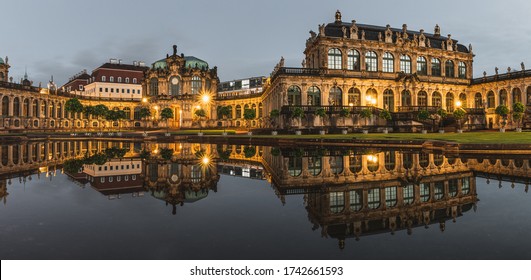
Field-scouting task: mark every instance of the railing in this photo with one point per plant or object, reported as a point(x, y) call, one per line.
point(502, 77)
point(297, 72)
point(307, 109)
point(430, 109)
point(237, 96)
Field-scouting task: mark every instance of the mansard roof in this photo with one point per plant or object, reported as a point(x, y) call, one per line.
point(334, 29)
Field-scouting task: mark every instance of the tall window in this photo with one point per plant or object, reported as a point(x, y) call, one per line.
point(127, 80)
point(408, 194)
point(478, 101)
point(294, 95)
point(119, 79)
point(335, 98)
point(111, 79)
point(196, 85)
point(353, 61)
point(503, 97)
point(371, 62)
point(462, 98)
point(491, 103)
point(436, 99)
point(16, 107)
point(295, 166)
point(462, 70)
point(388, 63)
point(238, 111)
point(517, 95)
point(154, 86)
point(450, 102)
point(449, 69)
point(405, 64)
point(314, 165)
point(336, 164)
point(389, 100)
point(390, 196)
point(334, 59)
point(103, 79)
point(373, 198)
point(5, 106)
point(175, 86)
point(406, 98)
point(422, 66)
point(356, 202)
point(314, 96)
point(422, 99)
point(134, 80)
point(424, 192)
point(354, 97)
point(435, 67)
point(337, 202)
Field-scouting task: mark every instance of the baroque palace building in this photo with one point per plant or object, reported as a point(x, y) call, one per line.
point(347, 67)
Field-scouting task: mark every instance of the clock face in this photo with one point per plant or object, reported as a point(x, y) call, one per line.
point(174, 80)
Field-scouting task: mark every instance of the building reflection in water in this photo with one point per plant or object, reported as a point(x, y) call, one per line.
point(347, 193)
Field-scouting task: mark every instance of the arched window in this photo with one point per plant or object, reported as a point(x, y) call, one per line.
point(334, 59)
point(389, 160)
point(294, 95)
point(5, 106)
point(134, 80)
point(196, 85)
point(390, 197)
point(528, 91)
point(356, 200)
point(389, 100)
point(174, 86)
point(336, 164)
point(314, 165)
point(354, 97)
point(503, 97)
point(517, 95)
point(449, 69)
point(373, 198)
point(154, 87)
point(26, 108)
point(408, 194)
point(127, 80)
point(462, 70)
point(422, 66)
point(371, 62)
point(435, 67)
point(43, 110)
point(103, 79)
point(478, 101)
point(422, 99)
point(355, 163)
point(462, 99)
point(405, 64)
point(353, 61)
point(491, 101)
point(405, 98)
point(111, 79)
point(295, 166)
point(388, 63)
point(335, 98)
point(35, 109)
point(314, 96)
point(230, 112)
point(436, 99)
point(449, 102)
point(337, 202)
point(16, 107)
point(238, 111)
point(119, 79)
point(127, 112)
point(260, 109)
point(371, 97)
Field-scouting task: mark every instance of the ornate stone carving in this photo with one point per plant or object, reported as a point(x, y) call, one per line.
point(344, 30)
point(363, 34)
point(379, 36)
point(404, 31)
point(353, 30)
point(338, 16)
point(450, 43)
point(522, 65)
point(437, 31)
point(388, 34)
point(422, 39)
point(322, 30)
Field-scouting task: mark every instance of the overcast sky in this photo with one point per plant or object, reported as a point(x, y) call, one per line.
point(244, 38)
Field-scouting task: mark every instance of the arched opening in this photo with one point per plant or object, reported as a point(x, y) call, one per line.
point(449, 69)
point(314, 165)
point(405, 63)
point(294, 96)
point(449, 102)
point(503, 97)
point(5, 106)
point(517, 95)
point(314, 96)
point(16, 107)
point(335, 97)
point(422, 99)
point(334, 59)
point(436, 99)
point(354, 97)
point(371, 61)
point(238, 111)
point(406, 98)
point(174, 86)
point(353, 61)
point(422, 66)
point(491, 100)
point(154, 87)
point(371, 97)
point(462, 99)
point(389, 100)
point(388, 63)
point(336, 164)
point(478, 101)
point(435, 67)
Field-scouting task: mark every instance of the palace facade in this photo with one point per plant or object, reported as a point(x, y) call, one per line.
point(348, 68)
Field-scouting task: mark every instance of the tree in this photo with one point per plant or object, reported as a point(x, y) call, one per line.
point(422, 116)
point(200, 113)
point(459, 114)
point(144, 113)
point(166, 153)
point(518, 112)
point(100, 110)
point(248, 115)
point(297, 114)
point(273, 116)
point(442, 115)
point(73, 106)
point(320, 112)
point(366, 114)
point(502, 111)
point(223, 112)
point(386, 115)
point(166, 114)
point(115, 116)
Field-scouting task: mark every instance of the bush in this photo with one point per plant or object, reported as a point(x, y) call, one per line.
point(442, 113)
point(502, 110)
point(366, 113)
point(423, 115)
point(297, 113)
point(518, 107)
point(386, 115)
point(320, 112)
point(345, 113)
point(459, 113)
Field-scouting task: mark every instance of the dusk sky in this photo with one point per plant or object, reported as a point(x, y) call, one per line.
point(242, 38)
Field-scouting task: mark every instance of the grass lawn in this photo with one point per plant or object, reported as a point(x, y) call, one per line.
point(489, 137)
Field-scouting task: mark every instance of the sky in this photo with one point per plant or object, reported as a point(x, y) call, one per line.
point(244, 38)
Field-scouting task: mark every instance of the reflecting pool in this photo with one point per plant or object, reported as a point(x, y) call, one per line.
point(145, 200)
